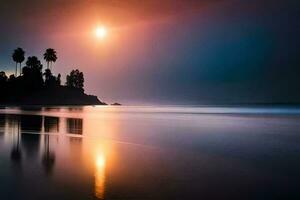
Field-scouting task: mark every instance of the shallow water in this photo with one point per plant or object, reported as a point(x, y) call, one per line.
point(149, 153)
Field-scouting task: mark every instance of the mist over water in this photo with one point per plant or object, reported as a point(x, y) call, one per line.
point(153, 152)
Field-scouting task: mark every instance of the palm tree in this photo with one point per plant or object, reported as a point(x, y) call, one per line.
point(34, 63)
point(47, 74)
point(18, 56)
point(50, 56)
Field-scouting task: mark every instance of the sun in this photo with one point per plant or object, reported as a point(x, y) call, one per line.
point(101, 32)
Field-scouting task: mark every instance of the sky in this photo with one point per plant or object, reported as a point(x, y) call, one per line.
point(164, 52)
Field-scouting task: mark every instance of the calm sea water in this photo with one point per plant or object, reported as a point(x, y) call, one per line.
point(149, 153)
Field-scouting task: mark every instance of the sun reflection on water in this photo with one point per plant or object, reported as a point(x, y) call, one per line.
point(100, 176)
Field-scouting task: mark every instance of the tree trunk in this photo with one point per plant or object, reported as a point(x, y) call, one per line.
point(20, 69)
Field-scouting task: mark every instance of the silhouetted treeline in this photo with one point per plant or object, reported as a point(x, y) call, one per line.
point(35, 86)
point(75, 79)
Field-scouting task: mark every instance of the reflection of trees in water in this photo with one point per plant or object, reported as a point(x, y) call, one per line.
point(75, 109)
point(74, 125)
point(16, 154)
point(26, 130)
point(31, 124)
point(2, 126)
point(56, 109)
point(12, 121)
point(31, 108)
point(2, 123)
point(48, 159)
point(51, 124)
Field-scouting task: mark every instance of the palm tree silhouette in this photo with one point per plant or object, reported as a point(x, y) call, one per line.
point(34, 62)
point(50, 56)
point(18, 56)
point(47, 74)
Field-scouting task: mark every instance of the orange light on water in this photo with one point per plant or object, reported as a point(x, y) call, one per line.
point(100, 176)
point(100, 161)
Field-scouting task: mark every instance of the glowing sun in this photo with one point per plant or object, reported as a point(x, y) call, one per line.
point(101, 32)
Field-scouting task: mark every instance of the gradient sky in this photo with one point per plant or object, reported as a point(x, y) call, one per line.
point(169, 52)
